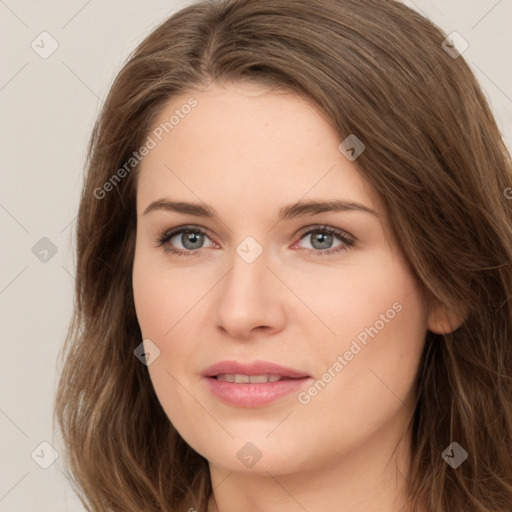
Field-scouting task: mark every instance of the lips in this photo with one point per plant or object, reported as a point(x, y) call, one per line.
point(256, 368)
point(255, 384)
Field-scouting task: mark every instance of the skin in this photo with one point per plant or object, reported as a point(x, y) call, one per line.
point(247, 151)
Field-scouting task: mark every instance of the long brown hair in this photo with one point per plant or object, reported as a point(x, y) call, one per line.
point(434, 154)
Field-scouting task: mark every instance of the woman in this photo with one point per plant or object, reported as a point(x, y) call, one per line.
point(294, 271)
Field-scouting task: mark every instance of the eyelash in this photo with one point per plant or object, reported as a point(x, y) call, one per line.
point(348, 241)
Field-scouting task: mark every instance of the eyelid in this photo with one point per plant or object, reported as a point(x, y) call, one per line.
point(167, 233)
point(325, 227)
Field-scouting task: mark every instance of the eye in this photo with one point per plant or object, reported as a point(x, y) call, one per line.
point(190, 238)
point(321, 239)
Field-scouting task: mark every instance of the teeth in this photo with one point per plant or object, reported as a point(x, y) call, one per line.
point(246, 379)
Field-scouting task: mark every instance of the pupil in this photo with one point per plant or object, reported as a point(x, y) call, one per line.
point(325, 239)
point(192, 238)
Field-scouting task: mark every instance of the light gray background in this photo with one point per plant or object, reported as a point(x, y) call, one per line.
point(48, 107)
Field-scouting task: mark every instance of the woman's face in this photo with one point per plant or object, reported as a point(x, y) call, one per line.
point(321, 290)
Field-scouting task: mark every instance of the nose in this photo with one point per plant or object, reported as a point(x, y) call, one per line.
point(250, 299)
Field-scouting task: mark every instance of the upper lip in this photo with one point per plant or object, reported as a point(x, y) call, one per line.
point(252, 368)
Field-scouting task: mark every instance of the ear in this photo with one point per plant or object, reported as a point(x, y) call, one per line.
point(443, 320)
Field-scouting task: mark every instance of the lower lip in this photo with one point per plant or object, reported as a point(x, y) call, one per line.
point(254, 395)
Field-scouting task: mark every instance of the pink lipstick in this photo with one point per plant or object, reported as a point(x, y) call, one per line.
point(253, 384)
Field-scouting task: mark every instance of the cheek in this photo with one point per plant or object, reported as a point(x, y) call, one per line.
point(379, 293)
point(162, 296)
point(159, 308)
point(167, 304)
point(380, 333)
point(378, 316)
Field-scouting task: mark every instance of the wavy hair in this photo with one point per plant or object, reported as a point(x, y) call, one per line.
point(433, 153)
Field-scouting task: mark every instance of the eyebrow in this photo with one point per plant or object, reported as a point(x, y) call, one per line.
point(299, 209)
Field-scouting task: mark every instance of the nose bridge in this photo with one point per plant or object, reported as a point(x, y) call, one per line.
point(249, 272)
point(248, 297)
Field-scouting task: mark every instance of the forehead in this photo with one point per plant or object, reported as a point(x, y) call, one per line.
point(250, 144)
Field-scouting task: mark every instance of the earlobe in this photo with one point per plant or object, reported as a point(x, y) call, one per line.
point(442, 320)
